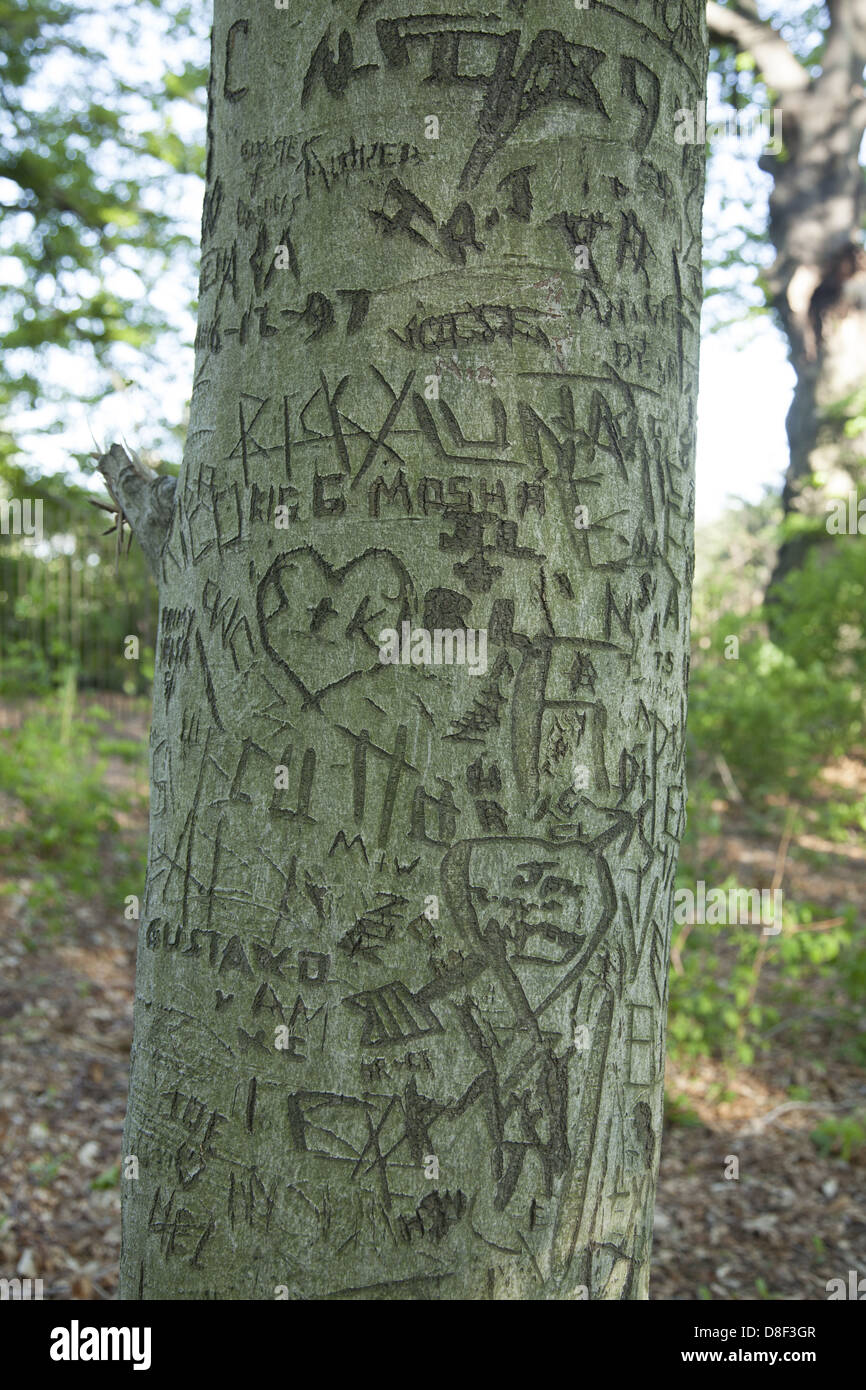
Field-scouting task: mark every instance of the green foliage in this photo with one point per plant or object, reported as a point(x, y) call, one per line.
point(64, 606)
point(45, 1170)
point(842, 1136)
point(678, 1113)
point(712, 1006)
point(732, 988)
point(61, 814)
point(772, 718)
point(780, 708)
point(82, 151)
point(762, 1289)
point(107, 1179)
point(771, 714)
point(821, 621)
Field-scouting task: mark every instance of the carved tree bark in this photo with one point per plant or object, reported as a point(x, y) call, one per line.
point(818, 278)
point(401, 989)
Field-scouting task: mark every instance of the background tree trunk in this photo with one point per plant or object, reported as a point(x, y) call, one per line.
point(401, 988)
point(817, 281)
point(819, 274)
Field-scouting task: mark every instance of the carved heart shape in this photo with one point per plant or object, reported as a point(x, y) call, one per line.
point(321, 622)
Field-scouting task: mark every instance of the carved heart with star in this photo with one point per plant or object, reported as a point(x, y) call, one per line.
point(321, 622)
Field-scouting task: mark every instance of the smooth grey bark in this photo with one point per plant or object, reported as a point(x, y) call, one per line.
point(401, 989)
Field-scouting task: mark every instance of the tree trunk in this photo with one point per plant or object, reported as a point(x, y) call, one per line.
point(825, 453)
point(400, 1002)
point(818, 278)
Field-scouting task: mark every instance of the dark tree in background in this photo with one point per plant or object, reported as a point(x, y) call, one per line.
point(817, 281)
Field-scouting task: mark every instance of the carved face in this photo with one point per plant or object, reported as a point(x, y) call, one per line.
point(321, 622)
point(534, 909)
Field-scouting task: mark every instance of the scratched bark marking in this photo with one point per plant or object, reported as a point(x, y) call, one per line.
point(402, 976)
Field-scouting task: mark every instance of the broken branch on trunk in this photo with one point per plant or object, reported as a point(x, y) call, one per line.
point(144, 500)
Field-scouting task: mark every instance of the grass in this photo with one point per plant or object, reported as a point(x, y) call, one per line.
point(64, 827)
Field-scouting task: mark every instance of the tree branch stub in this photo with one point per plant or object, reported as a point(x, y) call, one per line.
point(146, 499)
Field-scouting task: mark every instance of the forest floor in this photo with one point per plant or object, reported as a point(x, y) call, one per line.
point(793, 1218)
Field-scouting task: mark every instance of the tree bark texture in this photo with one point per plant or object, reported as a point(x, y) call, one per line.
point(400, 1002)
